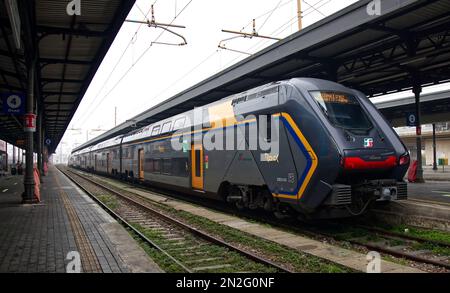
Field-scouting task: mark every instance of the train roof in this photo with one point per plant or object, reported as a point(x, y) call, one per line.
point(107, 143)
point(149, 130)
point(183, 120)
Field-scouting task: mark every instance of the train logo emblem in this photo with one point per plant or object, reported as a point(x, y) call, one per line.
point(368, 142)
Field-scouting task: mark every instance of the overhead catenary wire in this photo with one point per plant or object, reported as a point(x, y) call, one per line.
point(242, 34)
point(164, 26)
point(281, 6)
point(283, 28)
point(276, 32)
point(137, 60)
point(216, 51)
point(279, 30)
point(195, 67)
point(132, 40)
point(313, 7)
point(268, 17)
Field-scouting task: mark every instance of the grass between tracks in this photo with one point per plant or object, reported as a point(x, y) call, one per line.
point(233, 261)
point(217, 255)
point(430, 235)
point(427, 235)
point(295, 260)
point(292, 259)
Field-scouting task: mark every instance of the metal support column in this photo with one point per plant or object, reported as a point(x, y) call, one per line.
point(28, 195)
point(39, 141)
point(42, 149)
point(6, 165)
point(417, 89)
point(14, 156)
point(434, 148)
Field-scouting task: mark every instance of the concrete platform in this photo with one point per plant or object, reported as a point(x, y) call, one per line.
point(441, 174)
point(416, 212)
point(436, 191)
point(38, 238)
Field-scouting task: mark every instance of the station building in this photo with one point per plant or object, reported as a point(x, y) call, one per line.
point(442, 130)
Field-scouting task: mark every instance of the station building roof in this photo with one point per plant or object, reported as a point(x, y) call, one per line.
point(69, 51)
point(409, 40)
point(435, 108)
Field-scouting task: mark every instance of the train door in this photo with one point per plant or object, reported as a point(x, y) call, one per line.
point(95, 162)
point(141, 164)
point(197, 166)
point(108, 163)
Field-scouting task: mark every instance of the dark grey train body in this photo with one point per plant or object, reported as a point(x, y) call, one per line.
point(336, 155)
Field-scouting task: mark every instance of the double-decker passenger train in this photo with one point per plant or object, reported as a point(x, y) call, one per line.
point(335, 153)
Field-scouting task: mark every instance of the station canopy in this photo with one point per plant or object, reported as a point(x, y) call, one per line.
point(69, 49)
point(407, 43)
point(435, 107)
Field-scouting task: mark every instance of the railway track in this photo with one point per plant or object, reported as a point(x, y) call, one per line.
point(386, 242)
point(187, 247)
point(400, 251)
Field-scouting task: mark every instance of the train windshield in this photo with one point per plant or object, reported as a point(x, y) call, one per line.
point(342, 110)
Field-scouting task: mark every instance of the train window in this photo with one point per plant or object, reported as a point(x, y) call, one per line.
point(155, 130)
point(148, 166)
point(166, 127)
point(156, 166)
point(179, 123)
point(180, 167)
point(167, 166)
point(343, 110)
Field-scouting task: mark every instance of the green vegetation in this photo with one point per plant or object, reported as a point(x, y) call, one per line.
point(435, 249)
point(164, 262)
point(295, 260)
point(109, 201)
point(431, 235)
point(233, 260)
point(300, 262)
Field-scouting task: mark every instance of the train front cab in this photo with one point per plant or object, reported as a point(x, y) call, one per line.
point(360, 157)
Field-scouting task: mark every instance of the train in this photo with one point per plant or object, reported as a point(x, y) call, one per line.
point(307, 147)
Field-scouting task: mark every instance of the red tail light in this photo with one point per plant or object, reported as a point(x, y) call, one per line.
point(404, 160)
point(356, 163)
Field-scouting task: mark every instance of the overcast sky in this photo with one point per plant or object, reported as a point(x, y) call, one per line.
point(135, 76)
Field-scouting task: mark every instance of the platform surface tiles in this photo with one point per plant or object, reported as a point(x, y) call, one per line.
point(66, 232)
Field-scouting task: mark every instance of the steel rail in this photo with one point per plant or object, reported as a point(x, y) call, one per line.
point(404, 236)
point(147, 206)
point(313, 234)
point(123, 221)
point(390, 251)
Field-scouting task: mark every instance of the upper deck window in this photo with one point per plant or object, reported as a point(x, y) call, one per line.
point(179, 123)
point(343, 110)
point(166, 127)
point(155, 130)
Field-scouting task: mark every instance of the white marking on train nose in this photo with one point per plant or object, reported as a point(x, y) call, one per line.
point(5, 190)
